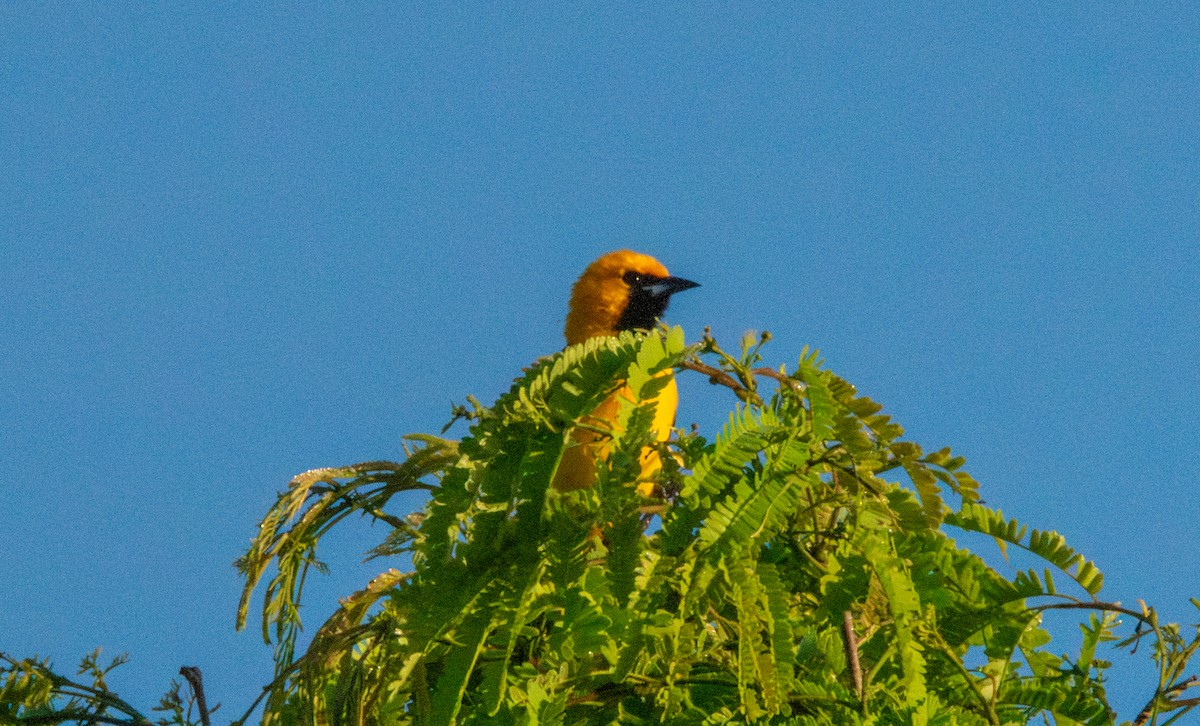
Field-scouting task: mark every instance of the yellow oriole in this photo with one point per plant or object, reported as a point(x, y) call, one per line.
point(621, 290)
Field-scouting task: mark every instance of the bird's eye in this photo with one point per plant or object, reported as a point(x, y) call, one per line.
point(633, 278)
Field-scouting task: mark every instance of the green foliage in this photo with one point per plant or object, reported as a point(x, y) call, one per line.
point(31, 692)
point(800, 568)
point(783, 578)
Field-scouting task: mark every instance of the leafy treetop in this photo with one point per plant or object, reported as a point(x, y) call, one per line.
point(798, 568)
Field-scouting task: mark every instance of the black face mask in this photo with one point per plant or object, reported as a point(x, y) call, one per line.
point(648, 299)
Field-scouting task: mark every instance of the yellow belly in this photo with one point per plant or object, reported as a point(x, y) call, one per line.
point(577, 469)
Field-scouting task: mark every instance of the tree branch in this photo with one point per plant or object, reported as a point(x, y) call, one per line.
point(196, 681)
point(850, 640)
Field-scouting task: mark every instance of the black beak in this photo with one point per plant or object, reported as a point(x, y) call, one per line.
point(664, 287)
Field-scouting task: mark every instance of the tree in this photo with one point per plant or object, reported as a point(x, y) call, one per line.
point(799, 568)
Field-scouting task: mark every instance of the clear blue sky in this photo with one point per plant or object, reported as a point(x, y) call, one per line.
point(238, 242)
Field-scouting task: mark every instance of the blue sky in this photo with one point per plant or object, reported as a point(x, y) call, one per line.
point(240, 242)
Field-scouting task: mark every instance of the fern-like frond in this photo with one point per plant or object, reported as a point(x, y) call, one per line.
point(1050, 546)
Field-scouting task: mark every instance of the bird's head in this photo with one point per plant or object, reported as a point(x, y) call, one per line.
point(621, 290)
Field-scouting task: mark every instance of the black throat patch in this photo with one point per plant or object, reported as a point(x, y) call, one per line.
point(644, 308)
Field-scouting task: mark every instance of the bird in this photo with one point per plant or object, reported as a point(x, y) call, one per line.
point(619, 291)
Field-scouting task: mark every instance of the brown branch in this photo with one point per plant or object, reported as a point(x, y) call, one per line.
point(1152, 707)
point(782, 379)
point(718, 377)
point(196, 681)
point(1111, 607)
point(851, 643)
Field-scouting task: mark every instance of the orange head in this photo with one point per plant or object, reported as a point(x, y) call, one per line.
point(621, 290)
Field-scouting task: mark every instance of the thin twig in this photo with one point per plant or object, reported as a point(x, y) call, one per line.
point(79, 715)
point(196, 681)
point(716, 376)
point(1111, 607)
point(1152, 707)
point(782, 378)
